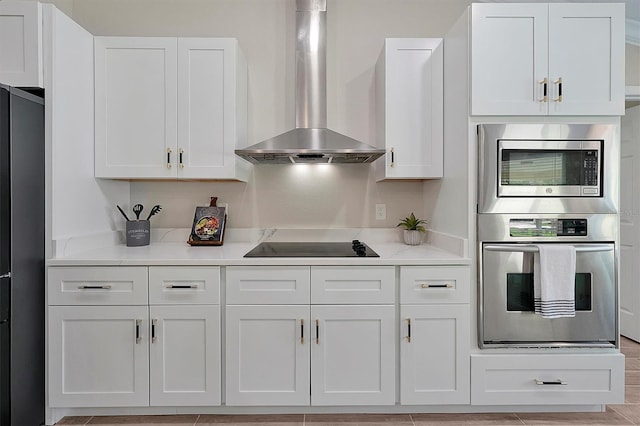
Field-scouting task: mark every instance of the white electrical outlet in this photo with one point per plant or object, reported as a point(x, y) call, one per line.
point(381, 211)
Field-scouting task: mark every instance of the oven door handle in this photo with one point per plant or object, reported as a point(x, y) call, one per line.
point(529, 248)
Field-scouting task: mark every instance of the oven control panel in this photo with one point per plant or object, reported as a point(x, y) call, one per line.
point(548, 227)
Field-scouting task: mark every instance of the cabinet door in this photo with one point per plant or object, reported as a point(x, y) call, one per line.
point(184, 355)
point(135, 135)
point(508, 59)
point(98, 356)
point(267, 355)
point(412, 95)
point(21, 62)
point(206, 107)
point(353, 355)
point(586, 59)
point(434, 354)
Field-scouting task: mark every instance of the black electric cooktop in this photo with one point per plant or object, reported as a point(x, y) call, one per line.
point(312, 249)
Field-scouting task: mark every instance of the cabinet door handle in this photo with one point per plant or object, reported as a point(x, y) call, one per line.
point(180, 152)
point(550, 382)
point(302, 332)
point(94, 287)
point(545, 96)
point(559, 83)
point(317, 332)
point(154, 323)
point(445, 285)
point(180, 286)
point(408, 330)
point(169, 151)
point(138, 336)
point(393, 158)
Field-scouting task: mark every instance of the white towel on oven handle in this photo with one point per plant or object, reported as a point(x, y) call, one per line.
point(554, 274)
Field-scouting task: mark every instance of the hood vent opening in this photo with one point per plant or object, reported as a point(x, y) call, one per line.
point(310, 142)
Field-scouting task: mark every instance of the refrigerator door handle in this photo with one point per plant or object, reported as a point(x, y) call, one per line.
point(7, 275)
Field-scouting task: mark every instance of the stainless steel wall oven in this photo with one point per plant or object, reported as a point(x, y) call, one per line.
point(507, 245)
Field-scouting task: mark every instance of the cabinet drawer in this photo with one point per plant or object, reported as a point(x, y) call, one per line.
point(98, 286)
point(265, 285)
point(170, 285)
point(348, 284)
point(547, 379)
point(435, 284)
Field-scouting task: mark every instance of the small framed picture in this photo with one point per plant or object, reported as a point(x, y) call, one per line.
point(208, 225)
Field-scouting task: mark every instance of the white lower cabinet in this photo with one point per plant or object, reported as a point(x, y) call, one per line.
point(435, 326)
point(547, 379)
point(134, 336)
point(267, 355)
point(301, 353)
point(434, 354)
point(184, 355)
point(98, 356)
point(353, 355)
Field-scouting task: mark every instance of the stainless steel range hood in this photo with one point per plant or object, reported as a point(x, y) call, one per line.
point(310, 141)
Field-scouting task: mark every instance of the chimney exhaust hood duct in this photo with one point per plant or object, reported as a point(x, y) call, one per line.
point(310, 141)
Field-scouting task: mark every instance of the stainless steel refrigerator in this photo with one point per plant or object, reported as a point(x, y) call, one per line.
point(22, 239)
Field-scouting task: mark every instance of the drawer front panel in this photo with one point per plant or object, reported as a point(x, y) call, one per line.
point(434, 284)
point(547, 379)
point(171, 285)
point(98, 285)
point(265, 285)
point(349, 284)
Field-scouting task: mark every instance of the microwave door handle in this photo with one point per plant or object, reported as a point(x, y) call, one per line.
point(527, 248)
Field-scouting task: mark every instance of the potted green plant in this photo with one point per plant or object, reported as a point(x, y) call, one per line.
point(413, 229)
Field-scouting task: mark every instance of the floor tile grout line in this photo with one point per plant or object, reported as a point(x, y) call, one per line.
point(623, 416)
point(197, 420)
point(518, 417)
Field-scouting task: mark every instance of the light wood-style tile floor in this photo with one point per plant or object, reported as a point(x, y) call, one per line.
point(624, 414)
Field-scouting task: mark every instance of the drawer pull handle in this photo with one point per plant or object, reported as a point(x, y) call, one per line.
point(94, 287)
point(550, 382)
point(176, 286)
point(154, 323)
point(408, 330)
point(317, 332)
point(302, 332)
point(138, 336)
point(446, 285)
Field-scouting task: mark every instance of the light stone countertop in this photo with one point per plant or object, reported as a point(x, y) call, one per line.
point(169, 247)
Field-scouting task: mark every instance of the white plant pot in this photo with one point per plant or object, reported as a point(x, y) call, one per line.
point(412, 237)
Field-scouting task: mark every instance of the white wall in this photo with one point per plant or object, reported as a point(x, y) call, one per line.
point(292, 196)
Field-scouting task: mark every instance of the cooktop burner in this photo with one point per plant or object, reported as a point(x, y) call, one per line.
point(312, 249)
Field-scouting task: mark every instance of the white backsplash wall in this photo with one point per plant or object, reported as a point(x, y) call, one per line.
point(300, 196)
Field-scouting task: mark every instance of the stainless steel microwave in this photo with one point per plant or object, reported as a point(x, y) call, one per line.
point(547, 168)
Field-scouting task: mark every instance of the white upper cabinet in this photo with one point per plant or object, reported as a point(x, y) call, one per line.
point(547, 59)
point(136, 107)
point(409, 109)
point(169, 108)
point(212, 108)
point(21, 61)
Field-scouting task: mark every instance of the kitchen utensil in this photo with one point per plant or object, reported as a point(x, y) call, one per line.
point(137, 209)
point(155, 209)
point(123, 213)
